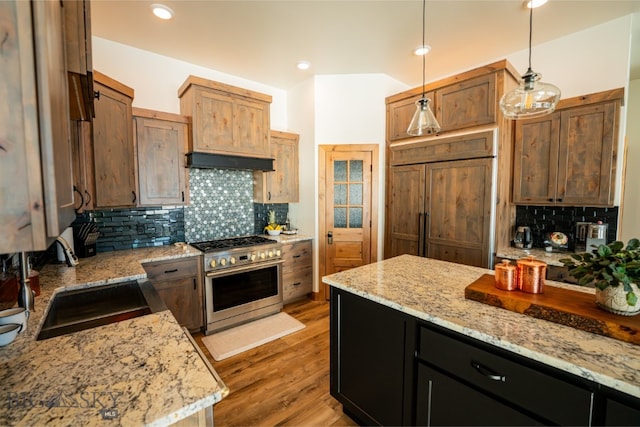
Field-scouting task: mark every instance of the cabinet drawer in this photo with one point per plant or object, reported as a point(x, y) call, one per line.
point(544, 393)
point(297, 255)
point(168, 270)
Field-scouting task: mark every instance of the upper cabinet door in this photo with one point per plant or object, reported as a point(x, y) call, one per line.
point(587, 157)
point(282, 184)
point(114, 155)
point(212, 114)
point(161, 141)
point(251, 133)
point(400, 113)
point(466, 104)
point(535, 160)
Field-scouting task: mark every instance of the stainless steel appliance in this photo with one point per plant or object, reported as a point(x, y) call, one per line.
point(596, 235)
point(523, 238)
point(243, 280)
point(580, 241)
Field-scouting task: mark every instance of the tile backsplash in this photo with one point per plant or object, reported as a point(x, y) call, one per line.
point(545, 219)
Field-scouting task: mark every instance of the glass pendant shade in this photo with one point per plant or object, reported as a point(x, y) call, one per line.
point(423, 121)
point(531, 98)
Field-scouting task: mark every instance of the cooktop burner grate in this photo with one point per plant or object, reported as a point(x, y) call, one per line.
point(233, 242)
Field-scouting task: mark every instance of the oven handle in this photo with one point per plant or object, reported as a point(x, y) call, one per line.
point(244, 268)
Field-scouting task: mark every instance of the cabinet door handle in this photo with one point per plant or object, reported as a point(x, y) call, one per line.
point(551, 200)
point(489, 373)
point(269, 195)
point(88, 198)
point(297, 256)
point(75, 189)
point(133, 193)
point(183, 196)
point(170, 271)
point(559, 200)
point(194, 283)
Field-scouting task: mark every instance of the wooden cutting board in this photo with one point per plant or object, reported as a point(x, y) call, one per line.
point(564, 306)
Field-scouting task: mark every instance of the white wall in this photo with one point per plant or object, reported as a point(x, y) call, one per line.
point(630, 226)
point(155, 79)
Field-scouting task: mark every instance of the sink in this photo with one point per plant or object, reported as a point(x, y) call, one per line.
point(77, 310)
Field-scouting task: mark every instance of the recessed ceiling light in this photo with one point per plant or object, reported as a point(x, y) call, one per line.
point(534, 3)
point(422, 50)
point(162, 11)
point(303, 65)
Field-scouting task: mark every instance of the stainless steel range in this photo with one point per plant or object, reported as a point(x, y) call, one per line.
point(243, 280)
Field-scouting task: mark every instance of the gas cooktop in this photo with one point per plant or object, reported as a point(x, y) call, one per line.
point(232, 242)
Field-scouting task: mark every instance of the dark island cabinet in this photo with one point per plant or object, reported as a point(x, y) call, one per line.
point(390, 368)
point(371, 360)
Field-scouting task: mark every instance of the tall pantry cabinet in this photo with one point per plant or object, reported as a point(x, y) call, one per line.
point(448, 195)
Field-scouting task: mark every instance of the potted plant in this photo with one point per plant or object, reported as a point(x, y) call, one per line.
point(615, 271)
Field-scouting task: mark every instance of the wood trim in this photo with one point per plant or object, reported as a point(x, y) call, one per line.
point(113, 84)
point(210, 84)
point(592, 98)
point(476, 72)
point(322, 226)
point(160, 115)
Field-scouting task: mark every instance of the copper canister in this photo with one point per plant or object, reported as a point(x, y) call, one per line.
point(506, 276)
point(530, 275)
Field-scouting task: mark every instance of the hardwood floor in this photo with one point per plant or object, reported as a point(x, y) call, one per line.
point(284, 382)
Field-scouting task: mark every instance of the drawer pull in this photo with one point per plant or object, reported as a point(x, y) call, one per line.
point(297, 256)
point(296, 284)
point(483, 370)
point(170, 271)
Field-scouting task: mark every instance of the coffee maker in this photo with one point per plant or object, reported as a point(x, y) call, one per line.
point(523, 238)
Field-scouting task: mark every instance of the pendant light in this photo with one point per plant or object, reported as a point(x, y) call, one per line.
point(531, 98)
point(423, 121)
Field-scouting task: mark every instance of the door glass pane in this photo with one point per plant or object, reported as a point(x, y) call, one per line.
point(355, 217)
point(340, 217)
point(355, 170)
point(340, 170)
point(355, 194)
point(340, 194)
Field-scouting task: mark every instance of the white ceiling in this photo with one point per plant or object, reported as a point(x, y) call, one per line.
point(263, 40)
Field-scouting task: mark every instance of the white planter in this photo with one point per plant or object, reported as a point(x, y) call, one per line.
point(614, 300)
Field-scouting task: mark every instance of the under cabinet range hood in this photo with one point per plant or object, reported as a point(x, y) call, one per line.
point(223, 161)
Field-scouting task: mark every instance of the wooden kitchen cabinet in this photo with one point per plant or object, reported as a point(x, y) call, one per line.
point(161, 140)
point(77, 16)
point(179, 284)
point(569, 157)
point(82, 155)
point(281, 185)
point(466, 101)
point(400, 113)
point(36, 190)
point(436, 206)
point(226, 119)
point(297, 270)
point(442, 209)
point(114, 165)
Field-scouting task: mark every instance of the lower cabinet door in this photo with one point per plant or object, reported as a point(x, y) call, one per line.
point(443, 401)
point(181, 298)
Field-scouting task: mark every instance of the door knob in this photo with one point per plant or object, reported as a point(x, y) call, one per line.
point(330, 237)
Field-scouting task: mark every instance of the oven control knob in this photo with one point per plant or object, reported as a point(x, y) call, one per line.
point(270, 254)
point(253, 257)
point(262, 255)
point(232, 260)
point(223, 262)
point(278, 253)
point(213, 263)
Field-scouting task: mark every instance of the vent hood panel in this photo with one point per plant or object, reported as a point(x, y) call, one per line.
point(223, 161)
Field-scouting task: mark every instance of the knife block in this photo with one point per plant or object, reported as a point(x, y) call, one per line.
point(84, 250)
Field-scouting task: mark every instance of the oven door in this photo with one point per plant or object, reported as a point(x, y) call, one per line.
point(241, 294)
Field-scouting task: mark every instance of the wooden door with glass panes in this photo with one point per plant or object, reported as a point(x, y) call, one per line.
point(347, 210)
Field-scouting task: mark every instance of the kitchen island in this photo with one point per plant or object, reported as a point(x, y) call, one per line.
point(424, 299)
point(141, 371)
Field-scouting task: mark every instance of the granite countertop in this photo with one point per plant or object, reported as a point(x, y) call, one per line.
point(142, 371)
point(290, 238)
point(433, 291)
point(551, 258)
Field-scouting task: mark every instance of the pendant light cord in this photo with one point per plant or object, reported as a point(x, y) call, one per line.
point(424, 2)
point(530, 31)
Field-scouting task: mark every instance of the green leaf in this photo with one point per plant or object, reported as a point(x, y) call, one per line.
point(616, 246)
point(633, 244)
point(602, 284)
point(604, 251)
point(585, 280)
point(632, 299)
